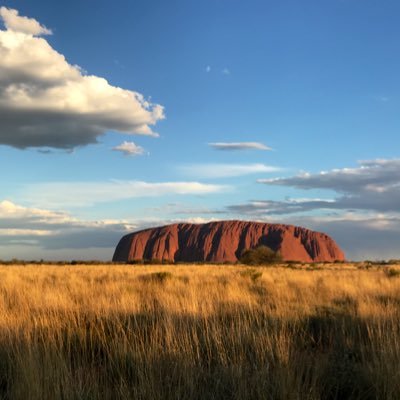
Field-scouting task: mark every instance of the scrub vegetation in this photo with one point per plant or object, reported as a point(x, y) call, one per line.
point(199, 332)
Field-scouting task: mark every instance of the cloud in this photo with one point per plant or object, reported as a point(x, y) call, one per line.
point(76, 194)
point(47, 102)
point(261, 208)
point(361, 236)
point(183, 209)
point(208, 68)
point(129, 149)
point(226, 170)
point(34, 233)
point(231, 146)
point(364, 217)
point(226, 71)
point(374, 185)
point(13, 21)
point(373, 237)
point(24, 228)
point(374, 175)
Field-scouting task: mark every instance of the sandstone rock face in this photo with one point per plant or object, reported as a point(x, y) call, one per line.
point(225, 241)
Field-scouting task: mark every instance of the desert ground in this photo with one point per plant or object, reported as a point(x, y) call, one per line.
point(291, 331)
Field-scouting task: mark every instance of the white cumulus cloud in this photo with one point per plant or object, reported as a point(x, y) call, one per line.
point(47, 102)
point(13, 21)
point(129, 149)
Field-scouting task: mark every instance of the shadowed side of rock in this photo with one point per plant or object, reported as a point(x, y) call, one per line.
point(225, 241)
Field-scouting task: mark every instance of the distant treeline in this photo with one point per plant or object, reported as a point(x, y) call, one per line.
point(17, 261)
point(273, 260)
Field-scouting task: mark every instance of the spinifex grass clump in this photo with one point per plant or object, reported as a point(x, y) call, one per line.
point(159, 277)
point(205, 332)
point(251, 273)
point(392, 272)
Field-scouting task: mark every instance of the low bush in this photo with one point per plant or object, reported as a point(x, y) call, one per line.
point(261, 255)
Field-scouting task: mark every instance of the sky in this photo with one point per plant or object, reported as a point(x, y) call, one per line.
point(118, 116)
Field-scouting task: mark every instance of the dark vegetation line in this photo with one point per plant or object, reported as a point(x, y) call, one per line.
point(366, 263)
point(259, 256)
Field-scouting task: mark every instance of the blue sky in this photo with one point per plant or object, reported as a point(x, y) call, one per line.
point(118, 116)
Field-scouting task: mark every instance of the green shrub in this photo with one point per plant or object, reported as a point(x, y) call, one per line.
point(261, 255)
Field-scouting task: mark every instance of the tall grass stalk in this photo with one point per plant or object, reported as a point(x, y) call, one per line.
point(198, 332)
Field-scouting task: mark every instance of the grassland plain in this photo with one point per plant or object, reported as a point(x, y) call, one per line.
point(199, 332)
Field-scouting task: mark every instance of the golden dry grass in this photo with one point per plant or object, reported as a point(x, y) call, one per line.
point(199, 332)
